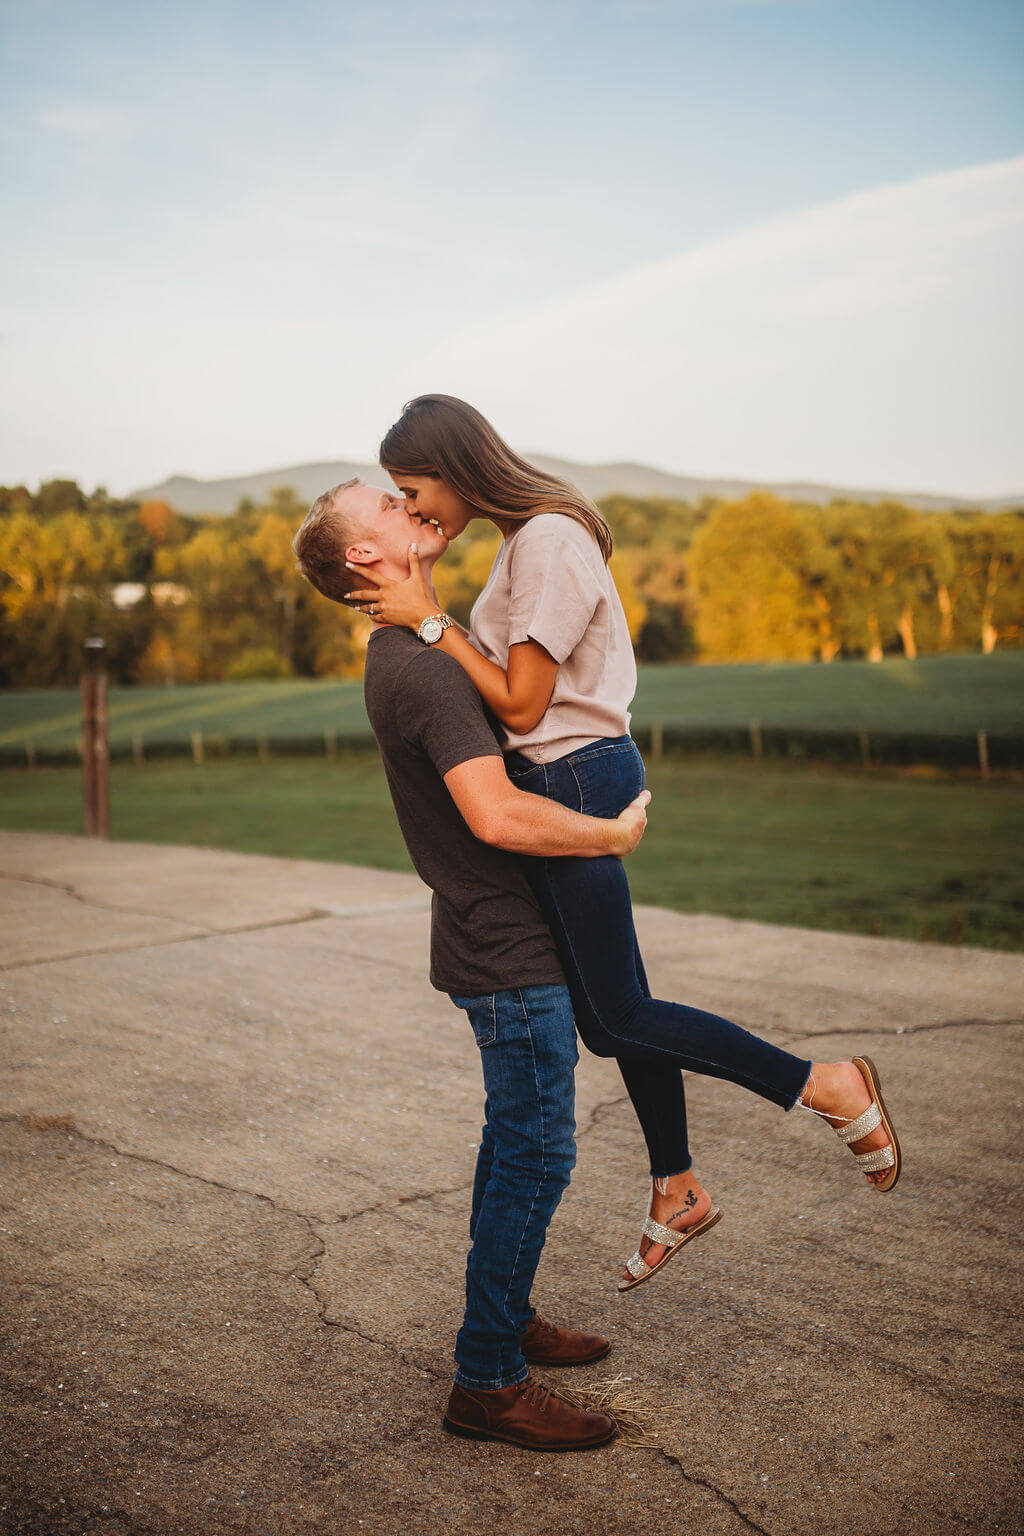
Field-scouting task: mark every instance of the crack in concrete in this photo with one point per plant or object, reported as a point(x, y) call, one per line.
point(156, 1162)
point(92, 901)
point(306, 1280)
point(200, 933)
point(712, 1488)
point(326, 1321)
point(392, 1202)
point(912, 1029)
point(418, 903)
point(315, 914)
point(598, 1112)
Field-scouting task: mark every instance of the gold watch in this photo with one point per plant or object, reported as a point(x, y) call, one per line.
point(431, 630)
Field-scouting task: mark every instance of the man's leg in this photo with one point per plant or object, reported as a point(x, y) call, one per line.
point(527, 1043)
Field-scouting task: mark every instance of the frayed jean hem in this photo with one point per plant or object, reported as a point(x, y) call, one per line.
point(800, 1094)
point(670, 1173)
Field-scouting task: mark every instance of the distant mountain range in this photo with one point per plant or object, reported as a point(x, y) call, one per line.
point(595, 480)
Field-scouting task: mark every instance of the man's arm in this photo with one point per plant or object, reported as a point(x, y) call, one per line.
point(498, 813)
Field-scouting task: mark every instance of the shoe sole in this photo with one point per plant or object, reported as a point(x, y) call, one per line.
point(526, 1445)
point(869, 1072)
point(582, 1360)
point(697, 1230)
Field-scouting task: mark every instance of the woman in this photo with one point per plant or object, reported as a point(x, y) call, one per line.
point(549, 652)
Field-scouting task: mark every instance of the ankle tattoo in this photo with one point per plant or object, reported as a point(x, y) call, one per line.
point(688, 1204)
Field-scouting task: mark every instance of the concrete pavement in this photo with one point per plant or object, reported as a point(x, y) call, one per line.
point(238, 1135)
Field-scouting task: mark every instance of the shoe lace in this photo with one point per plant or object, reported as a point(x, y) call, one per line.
point(536, 1395)
point(541, 1325)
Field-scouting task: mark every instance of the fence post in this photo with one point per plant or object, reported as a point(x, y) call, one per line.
point(983, 753)
point(197, 747)
point(262, 750)
point(755, 740)
point(865, 749)
point(138, 755)
point(94, 747)
point(330, 744)
point(657, 741)
point(30, 753)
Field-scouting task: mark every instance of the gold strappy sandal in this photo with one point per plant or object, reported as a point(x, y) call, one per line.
point(672, 1242)
point(875, 1115)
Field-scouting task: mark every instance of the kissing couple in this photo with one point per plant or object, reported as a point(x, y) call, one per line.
point(519, 791)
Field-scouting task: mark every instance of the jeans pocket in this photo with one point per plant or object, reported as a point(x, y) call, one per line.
point(524, 774)
point(609, 778)
point(482, 1016)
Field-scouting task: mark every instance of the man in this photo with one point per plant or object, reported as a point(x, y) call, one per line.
point(492, 953)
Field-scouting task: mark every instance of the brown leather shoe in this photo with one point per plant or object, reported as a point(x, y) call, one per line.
point(528, 1415)
point(545, 1343)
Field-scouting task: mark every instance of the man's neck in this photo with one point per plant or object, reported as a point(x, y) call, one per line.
point(427, 568)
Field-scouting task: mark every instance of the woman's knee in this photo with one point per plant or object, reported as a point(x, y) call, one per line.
point(599, 1041)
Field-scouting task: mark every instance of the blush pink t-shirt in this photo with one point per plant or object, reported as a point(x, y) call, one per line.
point(549, 583)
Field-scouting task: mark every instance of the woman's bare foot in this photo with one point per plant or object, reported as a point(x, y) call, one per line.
point(838, 1090)
point(676, 1202)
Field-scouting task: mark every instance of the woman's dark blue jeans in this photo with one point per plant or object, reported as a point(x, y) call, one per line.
point(588, 907)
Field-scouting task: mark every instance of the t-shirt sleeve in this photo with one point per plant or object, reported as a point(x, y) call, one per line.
point(439, 711)
point(554, 584)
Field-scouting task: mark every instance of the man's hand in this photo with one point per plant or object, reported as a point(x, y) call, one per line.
point(632, 823)
point(498, 813)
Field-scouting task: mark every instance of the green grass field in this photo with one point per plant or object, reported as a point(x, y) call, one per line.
point(937, 696)
point(883, 853)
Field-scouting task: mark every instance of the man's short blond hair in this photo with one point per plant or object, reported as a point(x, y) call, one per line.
point(320, 545)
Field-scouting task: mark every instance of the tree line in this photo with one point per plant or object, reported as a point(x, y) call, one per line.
point(200, 599)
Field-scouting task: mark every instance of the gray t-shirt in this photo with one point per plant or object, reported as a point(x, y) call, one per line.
point(487, 933)
point(549, 583)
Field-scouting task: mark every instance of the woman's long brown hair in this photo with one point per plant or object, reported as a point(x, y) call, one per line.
point(440, 436)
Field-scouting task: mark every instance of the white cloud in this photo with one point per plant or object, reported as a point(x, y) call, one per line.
point(873, 340)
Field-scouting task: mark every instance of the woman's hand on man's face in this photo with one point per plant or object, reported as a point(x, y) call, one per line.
point(405, 603)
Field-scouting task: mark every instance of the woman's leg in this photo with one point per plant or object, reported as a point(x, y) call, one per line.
point(588, 907)
point(655, 1089)
point(653, 1079)
point(658, 1098)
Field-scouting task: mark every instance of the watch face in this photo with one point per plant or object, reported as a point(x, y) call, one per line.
point(431, 631)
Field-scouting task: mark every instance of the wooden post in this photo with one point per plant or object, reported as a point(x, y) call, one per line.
point(88, 694)
point(657, 741)
point(865, 748)
point(30, 753)
point(94, 747)
point(262, 750)
point(755, 740)
point(138, 755)
point(330, 744)
point(197, 747)
point(983, 753)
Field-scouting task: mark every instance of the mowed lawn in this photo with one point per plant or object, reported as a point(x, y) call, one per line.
point(935, 696)
point(883, 853)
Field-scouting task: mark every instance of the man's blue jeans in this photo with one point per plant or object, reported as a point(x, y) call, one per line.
point(527, 1040)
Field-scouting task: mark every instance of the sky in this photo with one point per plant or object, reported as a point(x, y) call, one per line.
point(773, 239)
